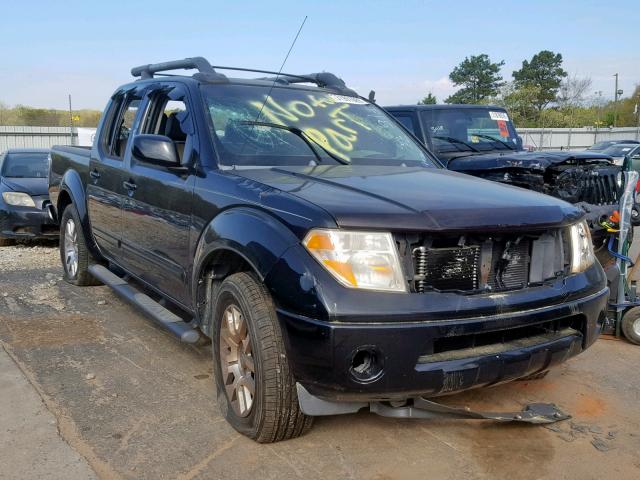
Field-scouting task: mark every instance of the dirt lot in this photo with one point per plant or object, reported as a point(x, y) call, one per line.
point(138, 404)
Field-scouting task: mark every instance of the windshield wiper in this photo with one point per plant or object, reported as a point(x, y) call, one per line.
point(482, 135)
point(456, 140)
point(305, 138)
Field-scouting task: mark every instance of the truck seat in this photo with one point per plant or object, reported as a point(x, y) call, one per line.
point(174, 131)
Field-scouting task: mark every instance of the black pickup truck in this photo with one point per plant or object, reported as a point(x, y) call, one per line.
point(481, 140)
point(330, 258)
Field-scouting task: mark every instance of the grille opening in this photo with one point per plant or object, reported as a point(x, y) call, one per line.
point(471, 264)
point(594, 184)
point(448, 344)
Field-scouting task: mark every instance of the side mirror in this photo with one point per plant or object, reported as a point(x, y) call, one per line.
point(519, 142)
point(156, 150)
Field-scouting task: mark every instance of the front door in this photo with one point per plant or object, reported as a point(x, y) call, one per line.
point(157, 212)
point(105, 191)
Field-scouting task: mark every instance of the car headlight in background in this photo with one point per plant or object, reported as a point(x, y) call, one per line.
point(18, 199)
point(367, 260)
point(582, 256)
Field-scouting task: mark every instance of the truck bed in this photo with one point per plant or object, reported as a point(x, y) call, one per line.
point(63, 159)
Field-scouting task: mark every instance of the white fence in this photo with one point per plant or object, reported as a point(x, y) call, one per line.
point(44, 137)
point(574, 138)
point(538, 138)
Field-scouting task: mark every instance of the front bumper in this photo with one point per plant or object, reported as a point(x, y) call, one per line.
point(28, 223)
point(430, 358)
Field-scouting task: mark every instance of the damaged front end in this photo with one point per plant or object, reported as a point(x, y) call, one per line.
point(589, 181)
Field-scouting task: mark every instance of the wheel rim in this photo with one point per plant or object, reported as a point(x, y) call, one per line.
point(71, 248)
point(636, 327)
point(236, 360)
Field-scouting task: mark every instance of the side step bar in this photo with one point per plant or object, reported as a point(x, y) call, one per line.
point(165, 318)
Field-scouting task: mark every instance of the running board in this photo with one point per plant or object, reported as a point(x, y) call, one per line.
point(165, 318)
point(537, 413)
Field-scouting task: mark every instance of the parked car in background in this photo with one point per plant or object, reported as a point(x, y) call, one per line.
point(620, 151)
point(332, 261)
point(601, 146)
point(24, 197)
point(481, 140)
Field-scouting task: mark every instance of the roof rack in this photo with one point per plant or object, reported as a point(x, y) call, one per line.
point(207, 72)
point(322, 79)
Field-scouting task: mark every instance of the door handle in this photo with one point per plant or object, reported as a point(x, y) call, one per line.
point(129, 186)
point(94, 174)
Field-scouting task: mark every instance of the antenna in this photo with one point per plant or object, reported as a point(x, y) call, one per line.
point(275, 80)
point(281, 67)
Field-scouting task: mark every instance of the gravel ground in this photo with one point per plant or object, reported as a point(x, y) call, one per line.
point(137, 404)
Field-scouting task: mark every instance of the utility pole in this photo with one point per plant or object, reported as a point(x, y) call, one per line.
point(616, 95)
point(70, 121)
point(637, 112)
point(598, 113)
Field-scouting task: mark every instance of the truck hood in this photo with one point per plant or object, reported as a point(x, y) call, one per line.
point(534, 161)
point(32, 186)
point(431, 199)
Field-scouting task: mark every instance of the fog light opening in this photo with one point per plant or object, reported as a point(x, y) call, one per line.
point(366, 364)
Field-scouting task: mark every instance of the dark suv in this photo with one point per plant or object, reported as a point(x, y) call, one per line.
point(326, 253)
point(481, 140)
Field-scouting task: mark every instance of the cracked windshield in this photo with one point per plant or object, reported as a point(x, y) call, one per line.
point(305, 127)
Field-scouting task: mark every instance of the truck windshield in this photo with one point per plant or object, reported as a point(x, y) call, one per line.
point(469, 129)
point(25, 165)
point(346, 129)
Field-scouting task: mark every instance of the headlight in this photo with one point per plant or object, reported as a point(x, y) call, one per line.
point(582, 256)
point(18, 199)
point(367, 260)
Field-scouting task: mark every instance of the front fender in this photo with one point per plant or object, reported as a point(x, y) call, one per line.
point(255, 235)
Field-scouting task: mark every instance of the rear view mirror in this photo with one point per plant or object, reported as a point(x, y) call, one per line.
point(156, 150)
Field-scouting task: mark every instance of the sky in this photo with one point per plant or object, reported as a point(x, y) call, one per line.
point(400, 49)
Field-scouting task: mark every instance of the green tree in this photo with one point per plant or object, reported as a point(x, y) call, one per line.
point(479, 77)
point(430, 99)
point(543, 72)
point(519, 104)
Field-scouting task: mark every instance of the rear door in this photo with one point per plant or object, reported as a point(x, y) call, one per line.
point(105, 191)
point(157, 212)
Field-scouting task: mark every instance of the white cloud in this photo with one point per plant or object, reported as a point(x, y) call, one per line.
point(392, 91)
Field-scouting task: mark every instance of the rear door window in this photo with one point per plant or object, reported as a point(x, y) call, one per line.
point(125, 109)
point(406, 121)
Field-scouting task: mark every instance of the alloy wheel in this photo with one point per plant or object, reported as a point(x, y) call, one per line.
point(237, 361)
point(71, 248)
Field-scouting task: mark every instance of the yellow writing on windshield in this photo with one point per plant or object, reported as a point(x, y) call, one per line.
point(338, 136)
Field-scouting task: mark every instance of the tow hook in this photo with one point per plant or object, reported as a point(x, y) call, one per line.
point(537, 413)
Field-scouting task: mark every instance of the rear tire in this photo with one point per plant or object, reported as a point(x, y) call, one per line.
point(74, 254)
point(256, 390)
point(631, 325)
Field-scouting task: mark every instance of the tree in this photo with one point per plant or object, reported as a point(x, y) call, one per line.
point(573, 91)
point(479, 77)
point(518, 102)
point(430, 99)
point(545, 72)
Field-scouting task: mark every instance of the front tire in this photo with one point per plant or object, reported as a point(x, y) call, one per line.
point(256, 390)
point(73, 250)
